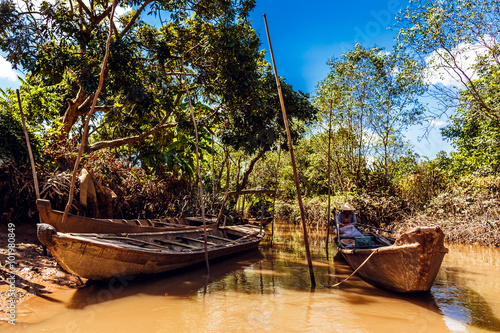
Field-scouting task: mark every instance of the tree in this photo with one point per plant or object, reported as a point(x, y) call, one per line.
point(206, 47)
point(475, 138)
point(457, 41)
point(374, 95)
point(258, 126)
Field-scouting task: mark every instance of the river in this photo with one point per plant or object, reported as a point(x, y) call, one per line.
point(269, 290)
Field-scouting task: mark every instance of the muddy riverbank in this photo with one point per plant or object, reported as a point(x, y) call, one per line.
point(34, 273)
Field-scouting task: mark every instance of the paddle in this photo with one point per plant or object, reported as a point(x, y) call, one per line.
point(375, 228)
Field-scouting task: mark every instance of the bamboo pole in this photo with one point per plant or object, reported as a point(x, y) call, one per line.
point(213, 174)
point(275, 193)
point(297, 185)
point(92, 109)
point(200, 180)
point(329, 178)
point(226, 194)
point(30, 152)
point(32, 159)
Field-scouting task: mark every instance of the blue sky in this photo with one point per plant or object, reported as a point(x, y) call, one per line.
point(305, 34)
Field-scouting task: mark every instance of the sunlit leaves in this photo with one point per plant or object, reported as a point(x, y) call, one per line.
point(374, 97)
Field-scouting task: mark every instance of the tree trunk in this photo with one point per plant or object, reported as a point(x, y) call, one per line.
point(248, 171)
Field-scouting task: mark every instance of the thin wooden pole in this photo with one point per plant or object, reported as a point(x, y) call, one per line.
point(221, 212)
point(213, 175)
point(329, 178)
point(200, 180)
point(32, 160)
point(92, 109)
point(243, 207)
point(275, 193)
point(297, 185)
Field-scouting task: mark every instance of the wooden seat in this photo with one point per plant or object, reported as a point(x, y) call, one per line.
point(219, 238)
point(176, 244)
point(196, 240)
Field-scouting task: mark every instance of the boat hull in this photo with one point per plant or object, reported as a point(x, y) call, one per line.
point(410, 265)
point(82, 224)
point(94, 257)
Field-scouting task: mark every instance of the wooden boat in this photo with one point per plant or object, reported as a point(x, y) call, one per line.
point(81, 224)
point(103, 256)
point(407, 264)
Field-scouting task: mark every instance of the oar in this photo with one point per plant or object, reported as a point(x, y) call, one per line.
point(337, 226)
point(375, 228)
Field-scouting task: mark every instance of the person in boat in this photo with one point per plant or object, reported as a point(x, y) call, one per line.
point(346, 220)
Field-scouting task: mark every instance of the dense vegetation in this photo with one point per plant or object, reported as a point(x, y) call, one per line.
point(168, 57)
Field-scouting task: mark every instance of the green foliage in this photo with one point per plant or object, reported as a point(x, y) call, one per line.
point(476, 139)
point(180, 157)
point(12, 139)
point(374, 96)
point(258, 124)
point(419, 187)
point(207, 47)
point(447, 37)
point(42, 103)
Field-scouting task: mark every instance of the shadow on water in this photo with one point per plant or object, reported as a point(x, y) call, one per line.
point(460, 303)
point(448, 297)
point(358, 289)
point(269, 270)
point(182, 283)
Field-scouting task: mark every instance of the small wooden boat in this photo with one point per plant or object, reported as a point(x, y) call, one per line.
point(103, 256)
point(407, 264)
point(81, 224)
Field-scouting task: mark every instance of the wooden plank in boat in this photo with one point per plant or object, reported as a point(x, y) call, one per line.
point(196, 240)
point(219, 238)
point(164, 241)
point(149, 243)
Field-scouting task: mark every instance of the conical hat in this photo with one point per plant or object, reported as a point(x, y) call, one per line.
point(347, 207)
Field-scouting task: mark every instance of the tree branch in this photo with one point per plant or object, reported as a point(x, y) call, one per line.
point(86, 9)
point(132, 139)
point(102, 16)
point(134, 18)
point(249, 170)
point(128, 140)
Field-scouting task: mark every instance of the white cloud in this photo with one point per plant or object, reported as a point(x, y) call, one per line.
point(120, 11)
point(443, 65)
point(437, 123)
point(6, 71)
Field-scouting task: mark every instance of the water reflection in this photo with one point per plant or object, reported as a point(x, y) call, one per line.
point(185, 282)
point(461, 304)
point(269, 290)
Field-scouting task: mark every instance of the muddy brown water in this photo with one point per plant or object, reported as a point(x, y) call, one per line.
point(269, 290)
